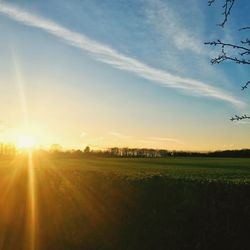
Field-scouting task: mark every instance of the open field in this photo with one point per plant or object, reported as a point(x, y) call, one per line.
point(200, 169)
point(116, 203)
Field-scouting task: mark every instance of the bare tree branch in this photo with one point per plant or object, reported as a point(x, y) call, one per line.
point(210, 2)
point(239, 118)
point(242, 51)
point(227, 7)
point(234, 46)
point(227, 49)
point(244, 28)
point(245, 86)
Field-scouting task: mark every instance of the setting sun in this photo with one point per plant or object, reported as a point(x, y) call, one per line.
point(26, 142)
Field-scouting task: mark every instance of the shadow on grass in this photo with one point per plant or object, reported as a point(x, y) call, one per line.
point(155, 213)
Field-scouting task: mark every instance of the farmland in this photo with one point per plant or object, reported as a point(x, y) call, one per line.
point(199, 169)
point(124, 203)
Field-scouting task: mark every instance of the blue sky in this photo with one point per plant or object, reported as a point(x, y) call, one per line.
point(120, 73)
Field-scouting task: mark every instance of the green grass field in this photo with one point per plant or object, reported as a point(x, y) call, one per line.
point(117, 203)
point(200, 169)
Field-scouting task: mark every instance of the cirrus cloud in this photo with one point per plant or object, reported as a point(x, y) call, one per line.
point(108, 55)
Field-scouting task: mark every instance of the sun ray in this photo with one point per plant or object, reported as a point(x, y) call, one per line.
point(20, 88)
point(32, 215)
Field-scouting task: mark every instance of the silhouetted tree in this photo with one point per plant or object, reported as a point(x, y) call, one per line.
point(234, 52)
point(87, 150)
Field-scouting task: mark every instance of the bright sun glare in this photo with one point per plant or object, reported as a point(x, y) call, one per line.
point(26, 142)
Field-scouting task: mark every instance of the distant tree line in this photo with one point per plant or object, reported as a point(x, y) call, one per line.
point(7, 149)
point(145, 153)
point(57, 151)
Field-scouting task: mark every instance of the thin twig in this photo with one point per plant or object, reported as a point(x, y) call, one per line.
point(239, 118)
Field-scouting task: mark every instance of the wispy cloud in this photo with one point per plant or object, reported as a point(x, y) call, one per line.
point(2, 126)
point(147, 139)
point(119, 135)
point(164, 139)
point(181, 33)
point(83, 134)
point(112, 57)
point(95, 140)
point(169, 24)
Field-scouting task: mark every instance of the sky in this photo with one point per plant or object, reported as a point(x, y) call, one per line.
point(121, 73)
